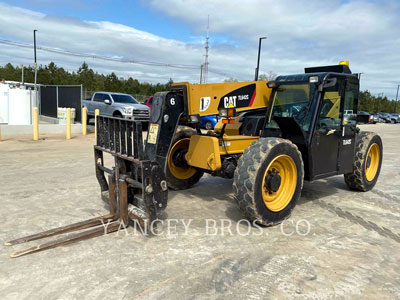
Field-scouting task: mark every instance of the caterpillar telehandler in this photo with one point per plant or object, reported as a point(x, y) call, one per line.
point(271, 136)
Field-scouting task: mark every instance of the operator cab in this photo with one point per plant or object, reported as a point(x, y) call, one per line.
point(309, 109)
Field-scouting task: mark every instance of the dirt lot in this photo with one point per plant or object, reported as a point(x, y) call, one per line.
point(352, 249)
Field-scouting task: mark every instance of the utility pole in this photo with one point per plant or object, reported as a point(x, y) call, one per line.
point(201, 73)
point(205, 65)
point(380, 97)
point(397, 95)
point(34, 53)
point(22, 74)
point(258, 60)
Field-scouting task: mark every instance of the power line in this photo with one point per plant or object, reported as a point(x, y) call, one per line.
point(107, 58)
point(219, 73)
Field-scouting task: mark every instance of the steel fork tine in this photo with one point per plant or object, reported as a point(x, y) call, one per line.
point(64, 229)
point(70, 239)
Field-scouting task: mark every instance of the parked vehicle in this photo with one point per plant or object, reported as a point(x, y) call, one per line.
point(348, 116)
point(395, 118)
point(209, 122)
point(381, 118)
point(375, 118)
point(149, 102)
point(364, 117)
point(116, 105)
point(388, 118)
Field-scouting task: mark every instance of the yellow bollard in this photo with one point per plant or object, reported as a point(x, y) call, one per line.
point(35, 124)
point(84, 121)
point(96, 113)
point(68, 134)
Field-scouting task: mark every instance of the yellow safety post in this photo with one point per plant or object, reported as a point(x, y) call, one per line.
point(84, 120)
point(68, 134)
point(96, 113)
point(35, 124)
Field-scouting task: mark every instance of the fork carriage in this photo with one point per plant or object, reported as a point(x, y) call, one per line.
point(144, 183)
point(136, 189)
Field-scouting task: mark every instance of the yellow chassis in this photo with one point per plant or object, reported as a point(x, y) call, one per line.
point(205, 151)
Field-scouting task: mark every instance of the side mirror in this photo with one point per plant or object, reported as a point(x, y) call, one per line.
point(107, 101)
point(330, 82)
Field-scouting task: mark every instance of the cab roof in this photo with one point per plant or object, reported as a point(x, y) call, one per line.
point(321, 72)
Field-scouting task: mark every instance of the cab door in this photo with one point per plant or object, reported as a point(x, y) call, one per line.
point(108, 108)
point(327, 137)
point(98, 103)
point(349, 126)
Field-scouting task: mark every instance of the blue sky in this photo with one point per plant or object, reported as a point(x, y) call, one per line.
point(136, 14)
point(301, 33)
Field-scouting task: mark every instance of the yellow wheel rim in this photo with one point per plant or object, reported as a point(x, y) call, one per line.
point(284, 166)
point(372, 162)
point(178, 172)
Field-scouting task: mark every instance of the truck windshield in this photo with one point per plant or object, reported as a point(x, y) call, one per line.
point(292, 100)
point(124, 99)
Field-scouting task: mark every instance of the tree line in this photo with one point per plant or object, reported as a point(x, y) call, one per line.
point(51, 74)
point(373, 104)
point(92, 81)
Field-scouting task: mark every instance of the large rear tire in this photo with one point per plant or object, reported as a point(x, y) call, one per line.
point(178, 177)
point(268, 180)
point(367, 162)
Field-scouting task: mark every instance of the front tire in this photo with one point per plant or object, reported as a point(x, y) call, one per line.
point(367, 162)
point(268, 180)
point(117, 115)
point(181, 177)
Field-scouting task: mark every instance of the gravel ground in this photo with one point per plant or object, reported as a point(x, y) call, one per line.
point(346, 245)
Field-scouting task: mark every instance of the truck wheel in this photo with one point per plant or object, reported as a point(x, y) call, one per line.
point(117, 114)
point(179, 175)
point(208, 125)
point(367, 162)
point(268, 180)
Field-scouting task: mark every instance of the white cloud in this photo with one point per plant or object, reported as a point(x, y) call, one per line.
point(101, 38)
point(300, 33)
point(306, 32)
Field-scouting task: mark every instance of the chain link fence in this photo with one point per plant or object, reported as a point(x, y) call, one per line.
point(141, 98)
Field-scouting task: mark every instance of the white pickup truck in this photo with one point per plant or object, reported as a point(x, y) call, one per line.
point(116, 105)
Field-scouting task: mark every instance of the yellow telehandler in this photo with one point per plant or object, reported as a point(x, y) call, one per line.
point(270, 137)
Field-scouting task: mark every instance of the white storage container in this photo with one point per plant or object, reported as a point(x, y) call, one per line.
point(4, 103)
point(19, 107)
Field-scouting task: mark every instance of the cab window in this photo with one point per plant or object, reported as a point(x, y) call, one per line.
point(106, 97)
point(292, 100)
point(330, 116)
point(98, 97)
point(350, 102)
